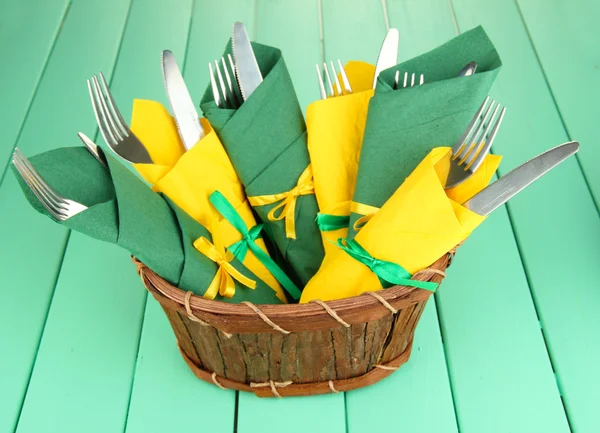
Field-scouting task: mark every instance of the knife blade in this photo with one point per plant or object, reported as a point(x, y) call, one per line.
point(518, 179)
point(246, 66)
point(184, 111)
point(468, 70)
point(388, 54)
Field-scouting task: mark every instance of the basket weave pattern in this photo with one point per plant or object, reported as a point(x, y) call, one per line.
point(295, 349)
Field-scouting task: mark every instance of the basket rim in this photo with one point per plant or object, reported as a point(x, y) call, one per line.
point(241, 318)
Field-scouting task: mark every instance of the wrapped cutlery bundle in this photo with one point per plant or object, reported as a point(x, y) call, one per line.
point(291, 257)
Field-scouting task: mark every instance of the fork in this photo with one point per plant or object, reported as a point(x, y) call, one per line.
point(405, 83)
point(60, 208)
point(338, 86)
point(475, 142)
point(225, 95)
point(112, 126)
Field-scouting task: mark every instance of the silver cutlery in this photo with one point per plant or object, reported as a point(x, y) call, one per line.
point(388, 54)
point(61, 208)
point(246, 67)
point(499, 192)
point(112, 126)
point(92, 148)
point(474, 144)
point(406, 83)
point(184, 111)
point(468, 70)
point(226, 92)
point(338, 87)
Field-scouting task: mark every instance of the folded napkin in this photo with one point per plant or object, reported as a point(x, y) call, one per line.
point(124, 211)
point(335, 130)
point(420, 223)
point(189, 178)
point(404, 124)
point(266, 142)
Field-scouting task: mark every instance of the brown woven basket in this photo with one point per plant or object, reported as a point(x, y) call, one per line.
point(292, 350)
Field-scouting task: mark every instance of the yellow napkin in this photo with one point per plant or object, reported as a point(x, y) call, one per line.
point(188, 178)
point(415, 227)
point(335, 129)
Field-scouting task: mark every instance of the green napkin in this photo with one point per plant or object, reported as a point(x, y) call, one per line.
point(266, 141)
point(403, 125)
point(124, 211)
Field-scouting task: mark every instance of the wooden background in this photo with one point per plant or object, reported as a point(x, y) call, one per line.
point(509, 345)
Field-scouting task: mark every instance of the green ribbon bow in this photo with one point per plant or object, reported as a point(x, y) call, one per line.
point(329, 223)
point(241, 247)
point(388, 273)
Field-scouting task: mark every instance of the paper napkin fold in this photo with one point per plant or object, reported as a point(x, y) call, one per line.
point(335, 130)
point(124, 211)
point(266, 142)
point(404, 124)
point(415, 227)
point(189, 178)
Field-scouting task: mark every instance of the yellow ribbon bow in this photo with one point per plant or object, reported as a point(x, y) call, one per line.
point(288, 199)
point(222, 283)
point(365, 210)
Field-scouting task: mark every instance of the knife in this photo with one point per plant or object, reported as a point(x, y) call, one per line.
point(388, 54)
point(468, 70)
point(509, 185)
point(246, 66)
point(184, 111)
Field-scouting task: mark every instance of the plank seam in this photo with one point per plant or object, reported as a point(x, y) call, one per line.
point(36, 88)
point(536, 307)
point(438, 312)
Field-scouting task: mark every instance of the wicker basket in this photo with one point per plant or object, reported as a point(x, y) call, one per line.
point(292, 350)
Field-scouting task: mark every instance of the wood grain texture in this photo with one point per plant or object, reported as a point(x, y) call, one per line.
point(309, 356)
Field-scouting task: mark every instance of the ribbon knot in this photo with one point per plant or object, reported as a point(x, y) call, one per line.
point(248, 242)
point(223, 283)
point(286, 209)
point(389, 273)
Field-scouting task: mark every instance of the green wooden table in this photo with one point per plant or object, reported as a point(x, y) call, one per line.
point(509, 345)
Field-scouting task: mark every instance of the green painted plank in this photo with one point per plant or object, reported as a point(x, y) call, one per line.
point(548, 234)
point(34, 25)
point(427, 379)
point(417, 398)
point(83, 368)
point(299, 40)
point(32, 246)
point(565, 35)
point(501, 375)
point(163, 384)
point(137, 73)
point(293, 27)
point(319, 413)
point(166, 396)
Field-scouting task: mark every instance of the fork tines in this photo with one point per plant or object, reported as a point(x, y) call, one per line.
point(476, 141)
point(112, 126)
point(405, 82)
point(58, 206)
point(226, 92)
point(338, 87)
